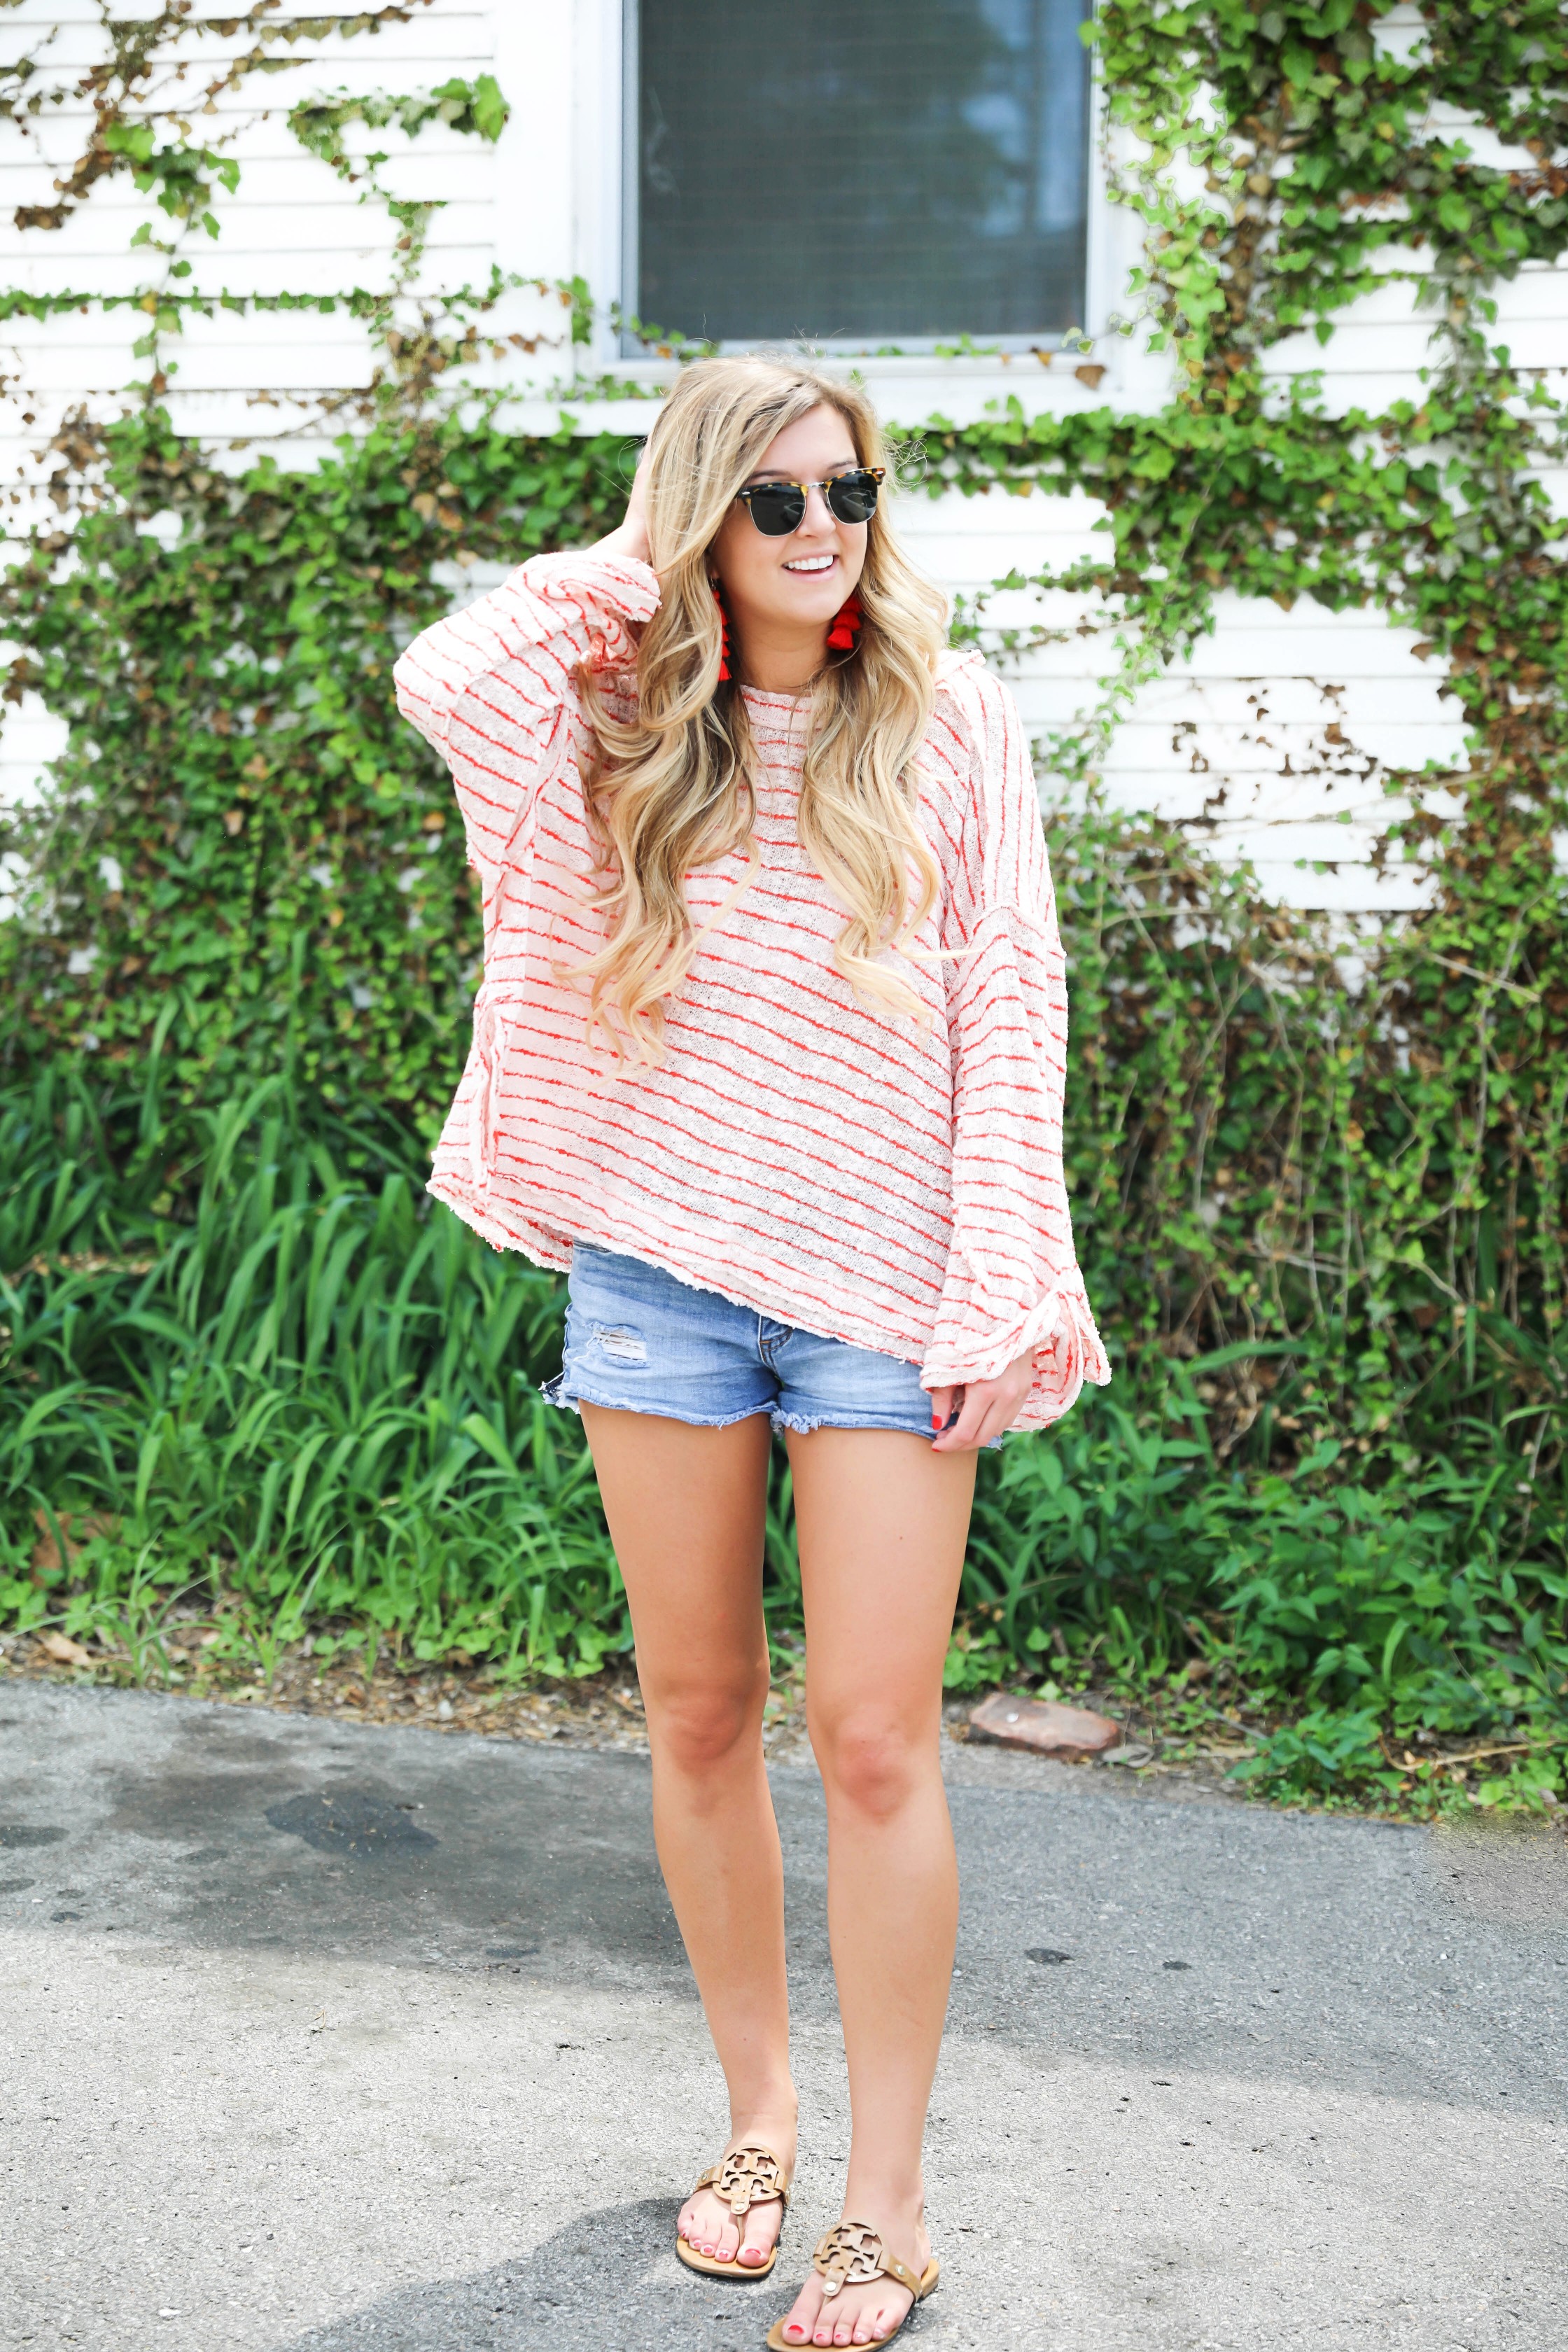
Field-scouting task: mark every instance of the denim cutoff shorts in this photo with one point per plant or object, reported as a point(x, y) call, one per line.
point(641, 1342)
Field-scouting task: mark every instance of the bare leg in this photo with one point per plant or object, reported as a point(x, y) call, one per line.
point(882, 1521)
point(686, 1507)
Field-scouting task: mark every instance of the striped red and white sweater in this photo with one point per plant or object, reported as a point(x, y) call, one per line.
point(798, 1149)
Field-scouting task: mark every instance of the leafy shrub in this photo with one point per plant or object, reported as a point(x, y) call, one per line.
point(316, 1394)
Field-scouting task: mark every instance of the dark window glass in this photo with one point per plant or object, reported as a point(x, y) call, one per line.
point(858, 171)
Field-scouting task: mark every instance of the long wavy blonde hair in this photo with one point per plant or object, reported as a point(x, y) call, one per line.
point(670, 787)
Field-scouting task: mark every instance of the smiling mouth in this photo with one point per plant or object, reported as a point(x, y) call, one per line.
point(812, 563)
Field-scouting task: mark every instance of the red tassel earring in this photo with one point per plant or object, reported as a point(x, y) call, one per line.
point(846, 626)
point(724, 632)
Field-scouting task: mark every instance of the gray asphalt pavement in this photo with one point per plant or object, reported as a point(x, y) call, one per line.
point(326, 2039)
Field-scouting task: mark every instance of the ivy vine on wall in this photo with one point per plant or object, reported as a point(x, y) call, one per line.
point(158, 77)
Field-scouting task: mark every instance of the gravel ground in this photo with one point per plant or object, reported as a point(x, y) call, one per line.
point(318, 2035)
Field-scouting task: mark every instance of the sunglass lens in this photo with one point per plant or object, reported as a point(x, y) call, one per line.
point(777, 509)
point(853, 496)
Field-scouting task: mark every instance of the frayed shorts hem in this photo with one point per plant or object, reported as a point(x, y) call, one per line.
point(803, 1424)
point(554, 1392)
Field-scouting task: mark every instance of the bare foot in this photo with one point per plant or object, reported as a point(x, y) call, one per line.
point(709, 2226)
point(868, 2313)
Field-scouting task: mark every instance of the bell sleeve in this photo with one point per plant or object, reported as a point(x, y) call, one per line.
point(1013, 1285)
point(493, 688)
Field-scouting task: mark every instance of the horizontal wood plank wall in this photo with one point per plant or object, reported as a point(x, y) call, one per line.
point(1274, 743)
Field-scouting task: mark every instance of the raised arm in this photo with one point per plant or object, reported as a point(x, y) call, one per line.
point(493, 687)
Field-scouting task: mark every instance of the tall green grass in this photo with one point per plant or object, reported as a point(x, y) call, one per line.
point(311, 1390)
point(279, 1373)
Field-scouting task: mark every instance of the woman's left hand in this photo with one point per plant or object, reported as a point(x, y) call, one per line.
point(985, 1408)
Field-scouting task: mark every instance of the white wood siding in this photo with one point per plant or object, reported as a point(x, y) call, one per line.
point(1236, 743)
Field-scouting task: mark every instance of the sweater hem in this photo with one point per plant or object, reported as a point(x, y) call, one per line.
point(759, 1297)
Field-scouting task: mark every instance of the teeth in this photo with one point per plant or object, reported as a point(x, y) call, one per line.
point(811, 564)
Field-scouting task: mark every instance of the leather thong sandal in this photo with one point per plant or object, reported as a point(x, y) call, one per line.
point(852, 2255)
point(749, 2175)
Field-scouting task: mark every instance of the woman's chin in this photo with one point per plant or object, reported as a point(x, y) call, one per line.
point(793, 606)
point(816, 609)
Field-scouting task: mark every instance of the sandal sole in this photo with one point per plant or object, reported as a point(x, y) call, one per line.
point(737, 2273)
point(779, 2342)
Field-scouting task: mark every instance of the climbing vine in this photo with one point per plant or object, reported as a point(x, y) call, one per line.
point(153, 64)
point(320, 125)
point(1339, 1195)
point(158, 76)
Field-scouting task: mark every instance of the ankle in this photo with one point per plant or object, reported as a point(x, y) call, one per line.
point(893, 2205)
point(767, 2116)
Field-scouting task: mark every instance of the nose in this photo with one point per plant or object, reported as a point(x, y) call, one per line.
point(818, 517)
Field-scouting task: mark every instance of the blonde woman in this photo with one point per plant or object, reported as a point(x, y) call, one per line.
point(768, 1058)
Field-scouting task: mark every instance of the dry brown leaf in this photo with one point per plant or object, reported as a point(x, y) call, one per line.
point(64, 1651)
point(45, 1555)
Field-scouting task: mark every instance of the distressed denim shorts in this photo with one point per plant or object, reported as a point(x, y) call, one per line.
point(641, 1342)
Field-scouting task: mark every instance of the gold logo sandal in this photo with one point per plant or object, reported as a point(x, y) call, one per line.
point(749, 2175)
point(852, 2255)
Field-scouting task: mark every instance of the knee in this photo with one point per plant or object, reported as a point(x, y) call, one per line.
point(872, 1762)
point(696, 1728)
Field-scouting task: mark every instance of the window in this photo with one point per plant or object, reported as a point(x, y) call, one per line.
point(857, 172)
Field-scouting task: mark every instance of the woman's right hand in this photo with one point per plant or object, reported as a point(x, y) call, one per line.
point(631, 538)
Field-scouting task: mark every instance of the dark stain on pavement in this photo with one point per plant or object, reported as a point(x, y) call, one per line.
point(182, 1800)
point(352, 1821)
point(16, 1833)
point(409, 1849)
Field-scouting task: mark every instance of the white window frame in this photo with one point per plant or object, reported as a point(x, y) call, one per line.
point(603, 192)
